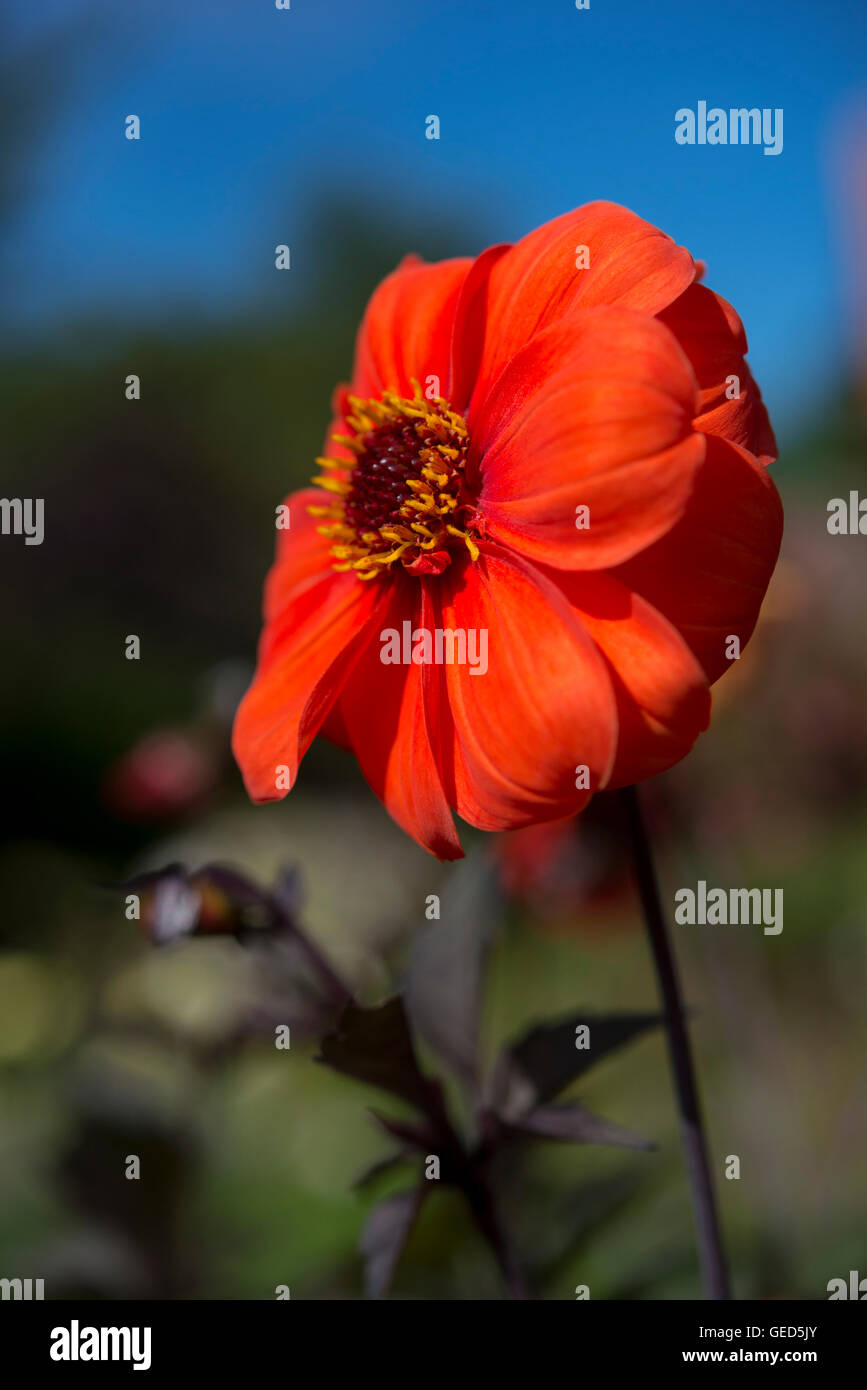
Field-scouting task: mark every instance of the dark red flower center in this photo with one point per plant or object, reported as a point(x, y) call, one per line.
point(403, 496)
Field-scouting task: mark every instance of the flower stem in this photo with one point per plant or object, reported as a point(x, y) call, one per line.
point(708, 1235)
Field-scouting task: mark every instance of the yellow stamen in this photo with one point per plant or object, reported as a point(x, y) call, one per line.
point(412, 449)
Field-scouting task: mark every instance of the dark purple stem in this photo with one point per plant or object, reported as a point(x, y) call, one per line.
point(707, 1227)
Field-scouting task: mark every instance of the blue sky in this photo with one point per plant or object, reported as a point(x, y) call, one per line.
point(249, 114)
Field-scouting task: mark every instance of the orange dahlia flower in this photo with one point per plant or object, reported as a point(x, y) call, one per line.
point(556, 453)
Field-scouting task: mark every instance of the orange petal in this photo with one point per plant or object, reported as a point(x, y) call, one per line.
point(306, 654)
point(381, 708)
point(303, 554)
point(470, 328)
point(333, 727)
point(710, 573)
point(406, 331)
point(508, 741)
point(713, 338)
point(631, 263)
point(663, 699)
point(595, 412)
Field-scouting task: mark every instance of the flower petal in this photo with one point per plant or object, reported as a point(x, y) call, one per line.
point(306, 654)
point(470, 328)
point(333, 727)
point(713, 338)
point(631, 263)
point(382, 711)
point(710, 573)
point(663, 700)
point(406, 331)
point(597, 412)
point(508, 740)
point(303, 554)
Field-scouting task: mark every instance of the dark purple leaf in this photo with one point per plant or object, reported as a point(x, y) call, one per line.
point(443, 989)
point(417, 1135)
point(561, 1224)
point(545, 1061)
point(379, 1168)
point(374, 1046)
point(385, 1234)
point(299, 981)
point(287, 893)
point(576, 1125)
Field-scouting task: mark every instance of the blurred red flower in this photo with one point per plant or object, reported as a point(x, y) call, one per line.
point(558, 444)
point(167, 773)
